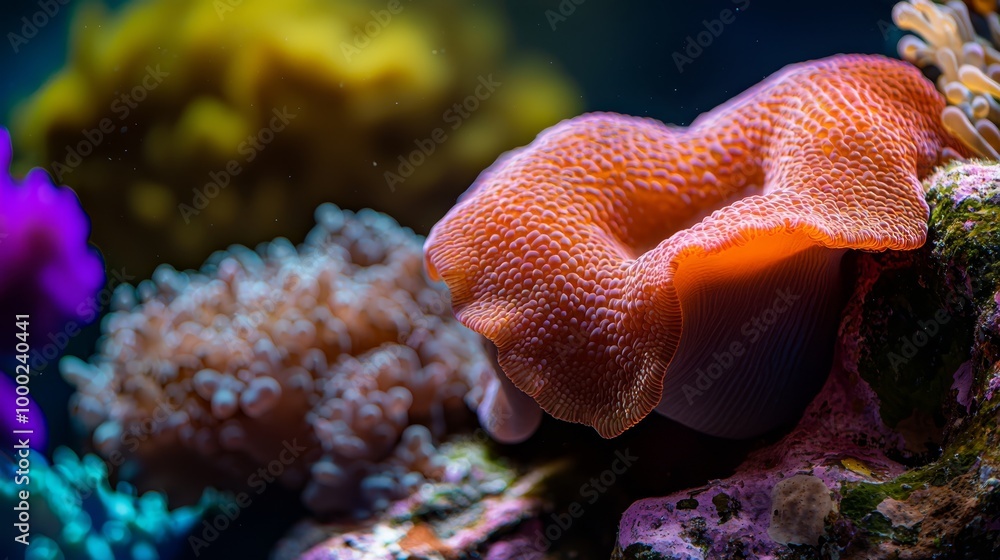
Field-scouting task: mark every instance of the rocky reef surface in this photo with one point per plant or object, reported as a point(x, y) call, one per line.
point(898, 455)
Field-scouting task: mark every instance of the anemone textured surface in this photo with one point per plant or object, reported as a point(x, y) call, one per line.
point(945, 500)
point(338, 352)
point(582, 255)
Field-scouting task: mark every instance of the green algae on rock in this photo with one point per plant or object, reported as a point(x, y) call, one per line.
point(924, 480)
point(483, 508)
point(952, 503)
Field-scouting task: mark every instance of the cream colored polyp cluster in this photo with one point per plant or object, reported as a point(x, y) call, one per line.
point(969, 65)
point(341, 345)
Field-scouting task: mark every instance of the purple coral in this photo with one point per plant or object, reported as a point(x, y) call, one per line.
point(47, 270)
point(10, 420)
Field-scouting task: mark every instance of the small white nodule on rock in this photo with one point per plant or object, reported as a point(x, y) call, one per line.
point(799, 506)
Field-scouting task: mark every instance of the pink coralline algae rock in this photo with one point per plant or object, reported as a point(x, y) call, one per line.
point(833, 443)
point(916, 381)
point(481, 509)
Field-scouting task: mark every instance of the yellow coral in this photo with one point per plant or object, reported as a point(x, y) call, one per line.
point(165, 92)
point(969, 65)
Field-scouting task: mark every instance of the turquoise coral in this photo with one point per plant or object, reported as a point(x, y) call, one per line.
point(75, 514)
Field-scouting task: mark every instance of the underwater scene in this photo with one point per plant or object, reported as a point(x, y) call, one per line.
point(548, 280)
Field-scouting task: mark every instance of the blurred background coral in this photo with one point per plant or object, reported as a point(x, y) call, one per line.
point(169, 133)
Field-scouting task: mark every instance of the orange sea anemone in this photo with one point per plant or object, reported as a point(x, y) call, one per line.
point(620, 265)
